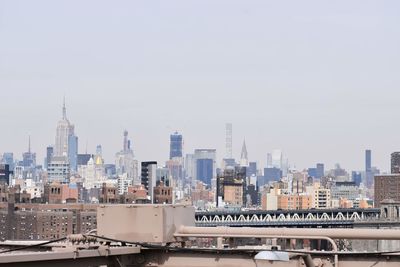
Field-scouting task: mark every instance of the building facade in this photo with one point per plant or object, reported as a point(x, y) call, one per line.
point(387, 187)
point(395, 162)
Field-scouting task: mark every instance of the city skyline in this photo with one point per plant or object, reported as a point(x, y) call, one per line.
point(220, 153)
point(318, 81)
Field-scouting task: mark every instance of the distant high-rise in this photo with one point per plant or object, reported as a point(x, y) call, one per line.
point(395, 162)
point(58, 169)
point(64, 130)
point(176, 146)
point(49, 155)
point(205, 165)
point(125, 162)
point(8, 158)
point(126, 145)
point(269, 160)
point(356, 177)
point(204, 170)
point(83, 159)
point(73, 152)
point(320, 170)
point(317, 172)
point(277, 159)
point(368, 165)
point(4, 174)
point(369, 176)
point(149, 177)
point(272, 174)
point(228, 141)
point(29, 158)
point(252, 169)
point(244, 160)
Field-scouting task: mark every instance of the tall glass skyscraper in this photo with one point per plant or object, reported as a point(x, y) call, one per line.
point(176, 145)
point(204, 170)
point(73, 152)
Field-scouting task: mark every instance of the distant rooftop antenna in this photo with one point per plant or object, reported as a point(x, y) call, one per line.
point(64, 109)
point(29, 143)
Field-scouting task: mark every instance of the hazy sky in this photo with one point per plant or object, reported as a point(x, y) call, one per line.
point(318, 79)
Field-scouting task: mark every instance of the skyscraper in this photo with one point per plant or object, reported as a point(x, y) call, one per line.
point(369, 176)
point(64, 130)
point(395, 162)
point(228, 141)
point(8, 158)
point(320, 170)
point(205, 165)
point(73, 152)
point(204, 170)
point(125, 162)
point(29, 158)
point(4, 174)
point(368, 166)
point(277, 159)
point(244, 161)
point(176, 146)
point(49, 155)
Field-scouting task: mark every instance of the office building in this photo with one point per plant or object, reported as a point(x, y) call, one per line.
point(163, 176)
point(312, 172)
point(205, 165)
point(58, 169)
point(176, 146)
point(5, 174)
point(73, 152)
point(8, 158)
point(345, 190)
point(83, 159)
point(228, 141)
point(320, 170)
point(149, 177)
point(204, 170)
point(277, 159)
point(252, 169)
point(369, 176)
point(49, 155)
point(356, 177)
point(272, 174)
point(395, 162)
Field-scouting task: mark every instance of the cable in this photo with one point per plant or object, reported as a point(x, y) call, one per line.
point(147, 245)
point(35, 245)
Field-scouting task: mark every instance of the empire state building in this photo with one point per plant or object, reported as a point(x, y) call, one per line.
point(64, 130)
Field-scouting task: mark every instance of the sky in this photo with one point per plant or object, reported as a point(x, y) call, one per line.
point(318, 79)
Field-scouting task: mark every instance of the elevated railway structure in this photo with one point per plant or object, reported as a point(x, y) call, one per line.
point(287, 218)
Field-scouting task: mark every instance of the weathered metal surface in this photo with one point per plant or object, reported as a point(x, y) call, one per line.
point(68, 255)
point(143, 223)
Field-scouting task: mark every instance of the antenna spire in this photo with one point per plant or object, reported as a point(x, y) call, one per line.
point(64, 109)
